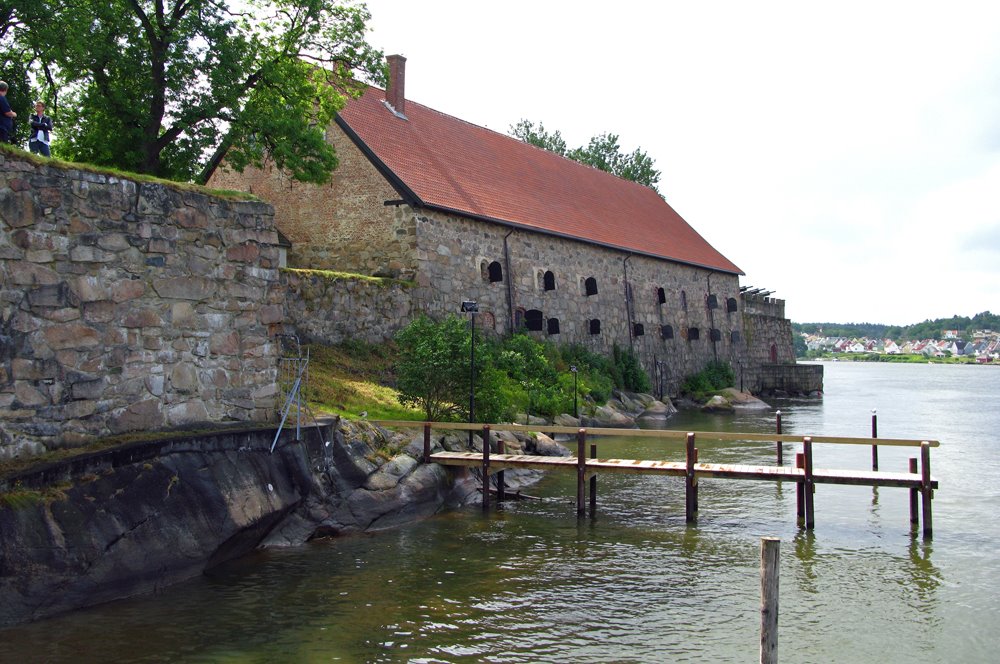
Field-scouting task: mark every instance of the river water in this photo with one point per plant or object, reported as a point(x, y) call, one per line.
point(533, 583)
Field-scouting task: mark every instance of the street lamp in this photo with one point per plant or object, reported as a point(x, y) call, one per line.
point(576, 411)
point(471, 307)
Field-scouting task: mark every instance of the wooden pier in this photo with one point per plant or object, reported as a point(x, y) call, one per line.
point(806, 477)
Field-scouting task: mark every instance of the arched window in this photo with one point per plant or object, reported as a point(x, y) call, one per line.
point(713, 302)
point(549, 281)
point(684, 301)
point(595, 326)
point(715, 334)
point(590, 286)
point(553, 326)
point(533, 320)
point(666, 332)
point(638, 329)
point(495, 272)
point(731, 305)
point(735, 336)
point(693, 334)
point(661, 296)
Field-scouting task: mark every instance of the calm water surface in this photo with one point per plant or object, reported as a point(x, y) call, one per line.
point(635, 584)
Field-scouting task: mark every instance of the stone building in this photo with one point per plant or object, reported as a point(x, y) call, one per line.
point(542, 243)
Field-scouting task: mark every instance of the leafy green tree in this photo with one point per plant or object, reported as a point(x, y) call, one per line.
point(431, 374)
point(602, 152)
point(170, 87)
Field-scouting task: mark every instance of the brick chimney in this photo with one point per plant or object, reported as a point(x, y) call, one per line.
point(396, 90)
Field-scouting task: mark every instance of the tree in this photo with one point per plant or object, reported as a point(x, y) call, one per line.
point(603, 152)
point(170, 87)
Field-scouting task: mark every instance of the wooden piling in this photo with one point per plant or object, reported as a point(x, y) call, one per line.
point(486, 467)
point(810, 484)
point(914, 493)
point(770, 549)
point(427, 442)
point(689, 486)
point(593, 482)
point(926, 490)
point(781, 451)
point(501, 449)
point(581, 471)
point(874, 435)
point(800, 494)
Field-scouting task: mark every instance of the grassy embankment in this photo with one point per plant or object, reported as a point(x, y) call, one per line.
point(915, 358)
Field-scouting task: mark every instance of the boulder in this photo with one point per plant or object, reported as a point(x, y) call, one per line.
point(717, 404)
point(744, 400)
point(605, 416)
point(656, 413)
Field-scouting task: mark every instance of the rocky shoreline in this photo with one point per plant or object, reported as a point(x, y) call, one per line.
point(136, 518)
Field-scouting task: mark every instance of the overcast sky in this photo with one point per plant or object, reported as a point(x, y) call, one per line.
point(845, 155)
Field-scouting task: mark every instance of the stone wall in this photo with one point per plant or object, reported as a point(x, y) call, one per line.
point(455, 256)
point(328, 308)
point(128, 306)
point(793, 379)
point(344, 225)
point(768, 341)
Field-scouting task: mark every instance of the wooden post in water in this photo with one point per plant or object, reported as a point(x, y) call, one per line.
point(427, 442)
point(690, 498)
point(926, 490)
point(874, 435)
point(810, 483)
point(781, 451)
point(914, 493)
point(770, 548)
point(486, 467)
point(593, 482)
point(501, 449)
point(581, 471)
point(800, 492)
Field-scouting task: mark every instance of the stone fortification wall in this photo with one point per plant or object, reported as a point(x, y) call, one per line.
point(129, 306)
point(769, 362)
point(328, 308)
point(344, 225)
point(513, 273)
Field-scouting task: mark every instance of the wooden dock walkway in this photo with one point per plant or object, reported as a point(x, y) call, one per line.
point(806, 477)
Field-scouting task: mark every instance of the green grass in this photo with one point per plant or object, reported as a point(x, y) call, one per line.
point(332, 275)
point(355, 377)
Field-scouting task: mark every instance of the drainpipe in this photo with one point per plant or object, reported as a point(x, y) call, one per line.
point(510, 281)
point(711, 319)
point(628, 304)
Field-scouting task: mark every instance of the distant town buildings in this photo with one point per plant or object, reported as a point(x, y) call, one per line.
point(983, 345)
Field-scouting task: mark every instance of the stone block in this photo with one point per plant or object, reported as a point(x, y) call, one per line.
point(140, 318)
point(185, 288)
point(143, 415)
point(73, 335)
point(127, 289)
point(189, 412)
point(184, 378)
point(29, 396)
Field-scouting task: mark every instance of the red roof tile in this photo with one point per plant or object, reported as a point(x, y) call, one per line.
point(453, 165)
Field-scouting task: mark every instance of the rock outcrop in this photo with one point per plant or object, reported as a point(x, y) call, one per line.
point(136, 518)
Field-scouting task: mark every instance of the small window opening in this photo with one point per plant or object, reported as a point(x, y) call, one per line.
point(731, 305)
point(661, 296)
point(735, 336)
point(553, 326)
point(590, 286)
point(713, 302)
point(638, 329)
point(549, 281)
point(495, 272)
point(693, 334)
point(666, 332)
point(715, 334)
point(533, 320)
point(595, 326)
point(684, 300)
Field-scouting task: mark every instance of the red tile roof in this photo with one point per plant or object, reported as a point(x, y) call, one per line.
point(453, 165)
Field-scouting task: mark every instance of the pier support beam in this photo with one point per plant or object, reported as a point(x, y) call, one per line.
point(593, 482)
point(770, 548)
point(690, 481)
point(486, 466)
point(581, 472)
point(810, 484)
point(925, 489)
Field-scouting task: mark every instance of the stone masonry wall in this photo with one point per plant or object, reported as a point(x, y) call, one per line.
point(129, 306)
point(344, 225)
point(454, 257)
point(768, 340)
point(328, 308)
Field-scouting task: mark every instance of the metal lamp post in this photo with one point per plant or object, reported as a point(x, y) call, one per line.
point(471, 307)
point(576, 411)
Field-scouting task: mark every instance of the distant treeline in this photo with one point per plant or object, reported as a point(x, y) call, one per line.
point(929, 329)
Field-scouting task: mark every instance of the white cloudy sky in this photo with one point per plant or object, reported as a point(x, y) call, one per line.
point(845, 155)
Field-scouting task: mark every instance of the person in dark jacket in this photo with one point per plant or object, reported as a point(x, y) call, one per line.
point(41, 125)
point(7, 115)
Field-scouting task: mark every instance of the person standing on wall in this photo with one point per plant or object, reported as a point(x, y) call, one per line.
point(7, 115)
point(41, 125)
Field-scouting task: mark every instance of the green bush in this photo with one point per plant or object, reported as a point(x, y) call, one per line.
point(714, 377)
